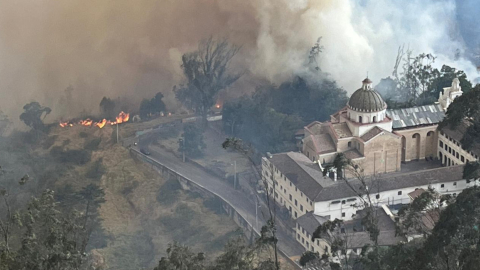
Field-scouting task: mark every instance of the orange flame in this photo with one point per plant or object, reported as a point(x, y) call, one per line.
point(121, 118)
point(102, 123)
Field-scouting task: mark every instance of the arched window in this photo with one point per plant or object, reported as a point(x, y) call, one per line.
point(374, 119)
point(360, 119)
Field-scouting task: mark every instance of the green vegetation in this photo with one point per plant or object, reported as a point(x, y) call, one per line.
point(75, 156)
point(192, 140)
point(152, 107)
point(34, 114)
point(207, 73)
point(92, 144)
point(168, 192)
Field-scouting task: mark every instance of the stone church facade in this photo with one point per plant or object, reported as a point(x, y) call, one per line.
point(376, 138)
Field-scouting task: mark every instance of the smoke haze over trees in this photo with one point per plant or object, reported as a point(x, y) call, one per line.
point(134, 49)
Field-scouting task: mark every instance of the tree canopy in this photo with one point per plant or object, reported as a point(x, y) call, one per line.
point(34, 114)
point(207, 72)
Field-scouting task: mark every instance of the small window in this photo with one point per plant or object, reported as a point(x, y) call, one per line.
point(298, 226)
point(301, 194)
point(457, 155)
point(343, 202)
point(298, 236)
point(441, 144)
point(303, 240)
point(462, 158)
point(349, 144)
point(454, 183)
point(343, 215)
point(285, 191)
point(296, 189)
point(446, 147)
point(296, 204)
point(453, 152)
point(290, 196)
point(400, 192)
point(296, 214)
point(303, 230)
point(360, 119)
point(301, 207)
point(374, 119)
point(290, 209)
point(311, 204)
point(290, 183)
point(354, 250)
point(378, 196)
point(308, 245)
point(442, 185)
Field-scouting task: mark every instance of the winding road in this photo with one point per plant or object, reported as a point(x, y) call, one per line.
point(238, 199)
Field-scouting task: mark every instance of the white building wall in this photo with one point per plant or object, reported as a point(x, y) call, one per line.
point(345, 210)
point(367, 117)
point(359, 130)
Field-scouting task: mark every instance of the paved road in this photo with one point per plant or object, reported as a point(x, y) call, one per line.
point(239, 200)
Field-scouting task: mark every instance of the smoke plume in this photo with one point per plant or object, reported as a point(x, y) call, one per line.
point(69, 54)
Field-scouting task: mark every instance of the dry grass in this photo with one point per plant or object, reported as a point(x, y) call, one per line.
point(137, 224)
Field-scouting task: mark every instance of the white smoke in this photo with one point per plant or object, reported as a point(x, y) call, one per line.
point(359, 36)
point(132, 49)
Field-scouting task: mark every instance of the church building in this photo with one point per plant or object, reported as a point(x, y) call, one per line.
point(374, 137)
point(380, 141)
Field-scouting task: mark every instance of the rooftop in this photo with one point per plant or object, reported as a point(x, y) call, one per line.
point(417, 192)
point(341, 189)
point(310, 221)
point(322, 143)
point(342, 130)
point(416, 116)
point(457, 135)
point(366, 99)
point(301, 171)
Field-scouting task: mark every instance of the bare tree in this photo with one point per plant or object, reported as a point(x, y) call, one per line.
point(268, 234)
point(207, 73)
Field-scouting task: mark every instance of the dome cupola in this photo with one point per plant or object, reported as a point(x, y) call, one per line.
point(366, 99)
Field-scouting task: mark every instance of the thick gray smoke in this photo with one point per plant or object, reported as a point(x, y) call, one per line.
point(132, 49)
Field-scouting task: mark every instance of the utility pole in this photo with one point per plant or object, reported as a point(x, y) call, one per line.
point(235, 174)
point(182, 142)
point(256, 211)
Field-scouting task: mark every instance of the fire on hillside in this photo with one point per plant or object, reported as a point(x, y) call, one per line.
point(121, 118)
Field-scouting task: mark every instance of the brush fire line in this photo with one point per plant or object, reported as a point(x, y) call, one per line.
point(121, 118)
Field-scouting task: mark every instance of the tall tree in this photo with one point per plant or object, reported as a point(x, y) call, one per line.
point(207, 72)
point(107, 107)
point(193, 143)
point(34, 114)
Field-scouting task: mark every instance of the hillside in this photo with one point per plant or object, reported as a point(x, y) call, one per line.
point(142, 212)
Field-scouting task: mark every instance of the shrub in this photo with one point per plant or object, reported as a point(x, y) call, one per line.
point(96, 170)
point(214, 204)
point(77, 157)
point(168, 192)
point(49, 141)
point(92, 144)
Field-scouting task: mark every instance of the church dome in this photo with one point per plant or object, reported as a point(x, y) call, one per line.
point(366, 99)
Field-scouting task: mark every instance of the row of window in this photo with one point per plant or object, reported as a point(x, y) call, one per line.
point(308, 237)
point(456, 143)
